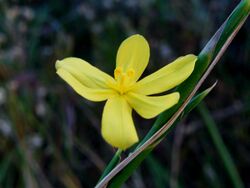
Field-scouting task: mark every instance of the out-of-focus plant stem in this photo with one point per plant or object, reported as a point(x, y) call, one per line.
point(220, 146)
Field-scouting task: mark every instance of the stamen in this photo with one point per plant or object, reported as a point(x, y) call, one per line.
point(123, 79)
point(117, 72)
point(131, 73)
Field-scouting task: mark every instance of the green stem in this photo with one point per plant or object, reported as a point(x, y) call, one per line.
point(115, 160)
point(220, 146)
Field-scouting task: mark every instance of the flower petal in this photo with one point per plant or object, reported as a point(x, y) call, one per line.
point(85, 79)
point(150, 106)
point(86, 92)
point(133, 53)
point(117, 123)
point(167, 77)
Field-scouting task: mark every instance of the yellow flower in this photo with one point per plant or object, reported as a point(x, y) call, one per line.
point(124, 92)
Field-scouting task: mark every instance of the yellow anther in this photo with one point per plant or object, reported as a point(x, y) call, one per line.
point(122, 82)
point(131, 73)
point(118, 72)
point(123, 79)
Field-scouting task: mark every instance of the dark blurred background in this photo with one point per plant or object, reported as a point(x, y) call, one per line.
point(50, 136)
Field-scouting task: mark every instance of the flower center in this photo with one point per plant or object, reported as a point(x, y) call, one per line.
point(124, 79)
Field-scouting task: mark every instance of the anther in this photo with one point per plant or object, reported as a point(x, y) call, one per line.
point(131, 73)
point(123, 79)
point(117, 72)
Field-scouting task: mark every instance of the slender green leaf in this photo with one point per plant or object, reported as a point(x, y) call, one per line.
point(197, 99)
point(190, 106)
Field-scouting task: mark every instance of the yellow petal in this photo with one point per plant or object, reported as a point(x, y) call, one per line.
point(117, 123)
point(167, 77)
point(151, 106)
point(86, 92)
point(133, 54)
point(85, 79)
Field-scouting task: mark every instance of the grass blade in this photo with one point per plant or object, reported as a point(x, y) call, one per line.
point(220, 146)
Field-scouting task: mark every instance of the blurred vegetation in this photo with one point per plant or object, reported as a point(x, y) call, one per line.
point(50, 136)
